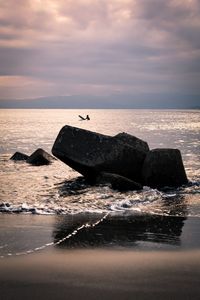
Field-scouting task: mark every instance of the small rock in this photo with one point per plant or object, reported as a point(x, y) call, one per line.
point(18, 156)
point(118, 182)
point(40, 157)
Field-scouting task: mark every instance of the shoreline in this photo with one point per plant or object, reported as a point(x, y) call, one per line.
point(27, 233)
point(122, 257)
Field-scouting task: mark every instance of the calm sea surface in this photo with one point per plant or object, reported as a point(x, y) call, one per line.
point(53, 190)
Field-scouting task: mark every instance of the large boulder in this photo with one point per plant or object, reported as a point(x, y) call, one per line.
point(118, 182)
point(90, 153)
point(133, 141)
point(18, 156)
point(40, 157)
point(164, 167)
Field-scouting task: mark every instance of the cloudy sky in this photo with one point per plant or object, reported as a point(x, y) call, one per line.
point(100, 49)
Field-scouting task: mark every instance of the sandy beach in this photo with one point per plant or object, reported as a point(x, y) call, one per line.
point(100, 274)
point(135, 257)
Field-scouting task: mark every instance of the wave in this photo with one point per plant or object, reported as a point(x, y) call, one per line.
point(72, 197)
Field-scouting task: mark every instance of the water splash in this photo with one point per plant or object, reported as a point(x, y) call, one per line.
point(73, 197)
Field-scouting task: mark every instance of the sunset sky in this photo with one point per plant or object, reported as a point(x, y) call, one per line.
point(100, 49)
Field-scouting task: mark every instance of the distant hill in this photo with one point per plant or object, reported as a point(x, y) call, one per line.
point(113, 101)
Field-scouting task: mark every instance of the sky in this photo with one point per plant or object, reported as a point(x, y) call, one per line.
point(100, 53)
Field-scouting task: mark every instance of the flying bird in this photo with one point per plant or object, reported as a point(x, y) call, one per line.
point(83, 119)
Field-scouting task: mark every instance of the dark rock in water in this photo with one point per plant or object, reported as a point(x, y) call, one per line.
point(126, 157)
point(118, 182)
point(164, 167)
point(5, 204)
point(132, 141)
point(40, 157)
point(90, 153)
point(18, 156)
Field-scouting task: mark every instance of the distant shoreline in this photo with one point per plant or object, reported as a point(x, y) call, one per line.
point(125, 101)
point(105, 108)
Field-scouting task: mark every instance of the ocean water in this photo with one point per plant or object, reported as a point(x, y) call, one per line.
point(57, 189)
point(51, 206)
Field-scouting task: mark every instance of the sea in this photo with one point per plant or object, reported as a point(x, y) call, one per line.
point(44, 206)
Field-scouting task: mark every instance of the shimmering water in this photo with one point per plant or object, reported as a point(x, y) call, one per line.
point(54, 189)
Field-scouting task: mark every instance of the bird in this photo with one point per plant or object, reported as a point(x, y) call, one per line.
point(83, 119)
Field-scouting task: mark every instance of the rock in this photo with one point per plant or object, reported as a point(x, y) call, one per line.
point(90, 153)
point(18, 156)
point(40, 157)
point(164, 167)
point(5, 204)
point(118, 182)
point(132, 141)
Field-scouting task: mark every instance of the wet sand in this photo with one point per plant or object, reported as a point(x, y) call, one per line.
point(122, 257)
point(101, 274)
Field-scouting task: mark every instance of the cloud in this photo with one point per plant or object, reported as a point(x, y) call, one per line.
point(99, 47)
point(179, 19)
